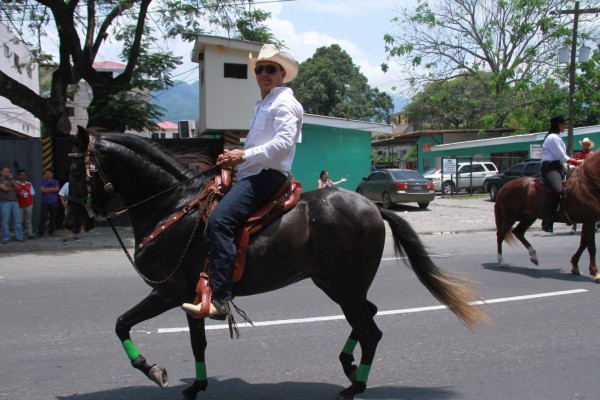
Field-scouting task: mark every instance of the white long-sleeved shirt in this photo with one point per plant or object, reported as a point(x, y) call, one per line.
point(274, 132)
point(554, 149)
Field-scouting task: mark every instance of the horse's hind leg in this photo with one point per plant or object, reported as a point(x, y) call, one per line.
point(575, 258)
point(588, 232)
point(154, 304)
point(347, 354)
point(519, 233)
point(359, 315)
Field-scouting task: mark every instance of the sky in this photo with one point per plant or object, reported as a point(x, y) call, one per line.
point(358, 26)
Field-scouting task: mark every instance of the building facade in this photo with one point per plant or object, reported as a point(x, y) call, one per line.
point(17, 63)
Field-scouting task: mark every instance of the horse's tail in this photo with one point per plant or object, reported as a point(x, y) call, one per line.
point(500, 218)
point(451, 291)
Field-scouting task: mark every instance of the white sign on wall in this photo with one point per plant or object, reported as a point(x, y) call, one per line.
point(535, 151)
point(449, 166)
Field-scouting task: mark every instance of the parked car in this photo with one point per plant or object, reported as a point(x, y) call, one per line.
point(470, 176)
point(529, 167)
point(390, 186)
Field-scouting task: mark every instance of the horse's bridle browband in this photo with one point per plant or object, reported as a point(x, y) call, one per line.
point(91, 168)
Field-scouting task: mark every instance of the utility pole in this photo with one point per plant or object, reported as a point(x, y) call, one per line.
point(576, 12)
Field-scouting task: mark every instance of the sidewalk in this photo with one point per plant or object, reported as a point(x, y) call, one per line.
point(443, 216)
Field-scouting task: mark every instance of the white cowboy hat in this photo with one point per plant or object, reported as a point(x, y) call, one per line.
point(271, 53)
point(586, 140)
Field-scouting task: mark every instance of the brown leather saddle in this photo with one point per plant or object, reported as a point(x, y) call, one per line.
point(561, 212)
point(284, 200)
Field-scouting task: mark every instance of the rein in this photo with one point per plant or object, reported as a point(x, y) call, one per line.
point(92, 166)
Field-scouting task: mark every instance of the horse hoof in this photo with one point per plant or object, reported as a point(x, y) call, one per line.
point(159, 376)
point(597, 278)
point(535, 261)
point(348, 393)
point(505, 266)
point(575, 271)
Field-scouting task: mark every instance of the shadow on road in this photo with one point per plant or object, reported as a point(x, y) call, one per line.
point(541, 273)
point(241, 390)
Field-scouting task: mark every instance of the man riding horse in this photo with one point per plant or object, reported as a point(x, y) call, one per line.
point(554, 154)
point(264, 165)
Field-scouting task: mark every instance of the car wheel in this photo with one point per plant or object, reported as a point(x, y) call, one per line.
point(448, 188)
point(493, 192)
point(423, 205)
point(386, 201)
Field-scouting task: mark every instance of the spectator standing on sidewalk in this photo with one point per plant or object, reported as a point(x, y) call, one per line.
point(9, 207)
point(63, 193)
point(49, 188)
point(25, 193)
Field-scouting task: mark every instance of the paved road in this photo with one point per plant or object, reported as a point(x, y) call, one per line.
point(59, 312)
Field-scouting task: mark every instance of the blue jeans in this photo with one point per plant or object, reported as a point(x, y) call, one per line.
point(233, 210)
point(8, 210)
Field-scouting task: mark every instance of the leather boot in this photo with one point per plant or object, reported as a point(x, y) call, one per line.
point(548, 225)
point(219, 309)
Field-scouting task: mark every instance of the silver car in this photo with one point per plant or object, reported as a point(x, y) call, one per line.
point(470, 177)
point(390, 186)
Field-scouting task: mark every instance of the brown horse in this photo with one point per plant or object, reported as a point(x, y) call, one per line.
point(523, 199)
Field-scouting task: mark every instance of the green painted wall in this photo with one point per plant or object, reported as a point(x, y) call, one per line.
point(342, 152)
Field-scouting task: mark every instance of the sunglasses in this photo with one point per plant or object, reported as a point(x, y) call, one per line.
point(271, 69)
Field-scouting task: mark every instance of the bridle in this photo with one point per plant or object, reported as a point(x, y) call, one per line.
point(93, 169)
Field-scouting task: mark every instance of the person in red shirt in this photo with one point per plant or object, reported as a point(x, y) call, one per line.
point(25, 198)
point(586, 145)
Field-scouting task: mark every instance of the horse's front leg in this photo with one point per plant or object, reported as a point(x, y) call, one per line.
point(589, 231)
point(154, 304)
point(198, 339)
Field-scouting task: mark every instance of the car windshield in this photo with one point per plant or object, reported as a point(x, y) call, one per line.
point(406, 175)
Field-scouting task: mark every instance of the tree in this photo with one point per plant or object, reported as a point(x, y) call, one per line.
point(330, 84)
point(83, 27)
point(462, 102)
point(467, 102)
point(515, 40)
point(587, 92)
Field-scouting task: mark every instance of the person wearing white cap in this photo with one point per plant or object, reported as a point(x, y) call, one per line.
point(586, 145)
point(264, 165)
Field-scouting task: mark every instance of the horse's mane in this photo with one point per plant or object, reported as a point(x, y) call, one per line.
point(176, 161)
point(586, 186)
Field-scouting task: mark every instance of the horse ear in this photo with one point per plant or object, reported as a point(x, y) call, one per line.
point(83, 137)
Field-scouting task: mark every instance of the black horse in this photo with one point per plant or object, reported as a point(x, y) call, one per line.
point(333, 236)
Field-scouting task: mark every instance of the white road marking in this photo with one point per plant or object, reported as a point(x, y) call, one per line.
point(379, 314)
point(406, 258)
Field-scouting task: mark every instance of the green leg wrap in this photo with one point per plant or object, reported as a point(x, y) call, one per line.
point(349, 346)
point(130, 349)
point(200, 371)
point(363, 373)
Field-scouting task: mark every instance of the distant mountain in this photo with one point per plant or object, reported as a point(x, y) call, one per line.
point(181, 101)
point(399, 103)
